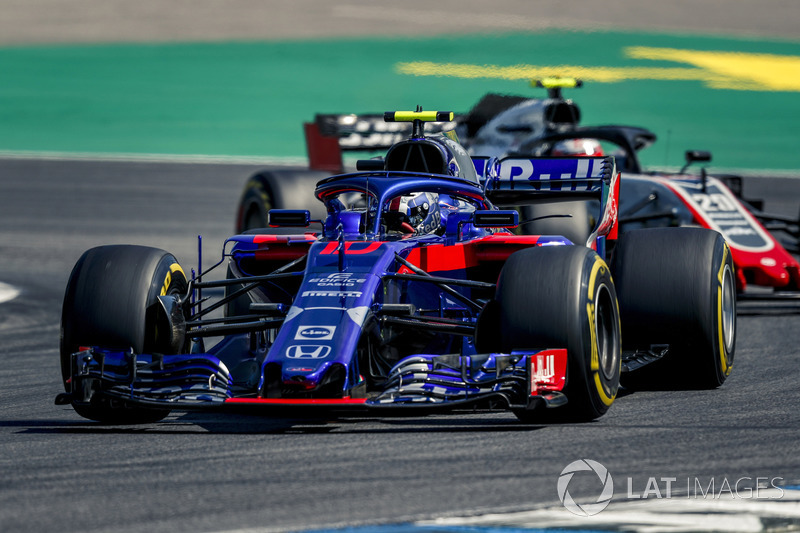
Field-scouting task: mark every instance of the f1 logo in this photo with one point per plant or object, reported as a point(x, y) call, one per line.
point(308, 351)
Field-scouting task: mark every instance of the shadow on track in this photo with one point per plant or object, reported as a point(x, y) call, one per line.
point(195, 423)
point(775, 308)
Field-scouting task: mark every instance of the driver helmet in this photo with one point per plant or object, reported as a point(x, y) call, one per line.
point(578, 147)
point(422, 210)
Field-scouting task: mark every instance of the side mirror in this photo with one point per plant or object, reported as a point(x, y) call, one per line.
point(288, 218)
point(697, 156)
point(370, 164)
point(495, 219)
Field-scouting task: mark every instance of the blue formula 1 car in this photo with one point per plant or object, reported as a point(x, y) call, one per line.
point(411, 296)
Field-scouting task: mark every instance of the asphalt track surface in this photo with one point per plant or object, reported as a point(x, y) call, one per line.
point(54, 21)
point(208, 472)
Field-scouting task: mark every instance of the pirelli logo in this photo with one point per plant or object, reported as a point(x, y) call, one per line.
point(333, 294)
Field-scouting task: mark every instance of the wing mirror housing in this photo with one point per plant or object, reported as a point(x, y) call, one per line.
point(370, 164)
point(695, 156)
point(698, 156)
point(289, 218)
point(495, 219)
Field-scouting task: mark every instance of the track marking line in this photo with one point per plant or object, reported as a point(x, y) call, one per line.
point(677, 514)
point(7, 292)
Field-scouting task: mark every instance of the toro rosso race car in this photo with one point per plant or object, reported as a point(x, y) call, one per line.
point(528, 128)
point(410, 296)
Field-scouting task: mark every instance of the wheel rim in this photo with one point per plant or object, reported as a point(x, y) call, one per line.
point(728, 309)
point(605, 319)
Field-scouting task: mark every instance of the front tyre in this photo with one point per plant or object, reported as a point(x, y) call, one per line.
point(564, 297)
point(111, 301)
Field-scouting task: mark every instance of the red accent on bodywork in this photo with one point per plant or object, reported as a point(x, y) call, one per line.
point(323, 150)
point(296, 401)
point(282, 247)
point(437, 257)
point(547, 370)
point(609, 221)
point(614, 232)
point(288, 254)
point(442, 257)
point(770, 268)
point(331, 248)
point(431, 258)
point(285, 239)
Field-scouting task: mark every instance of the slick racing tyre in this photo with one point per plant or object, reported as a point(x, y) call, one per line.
point(278, 189)
point(563, 297)
point(111, 301)
point(676, 287)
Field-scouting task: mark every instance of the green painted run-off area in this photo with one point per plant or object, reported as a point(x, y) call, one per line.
point(250, 98)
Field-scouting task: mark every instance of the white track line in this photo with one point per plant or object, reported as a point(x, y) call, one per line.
point(678, 514)
point(7, 292)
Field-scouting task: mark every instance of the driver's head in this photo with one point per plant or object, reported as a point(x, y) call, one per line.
point(422, 211)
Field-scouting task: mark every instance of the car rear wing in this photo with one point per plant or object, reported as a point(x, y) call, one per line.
point(514, 181)
point(330, 135)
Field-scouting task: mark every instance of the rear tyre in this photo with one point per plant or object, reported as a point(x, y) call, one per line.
point(677, 286)
point(111, 301)
point(278, 189)
point(577, 227)
point(563, 297)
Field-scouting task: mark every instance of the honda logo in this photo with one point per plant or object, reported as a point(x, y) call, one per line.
point(308, 351)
